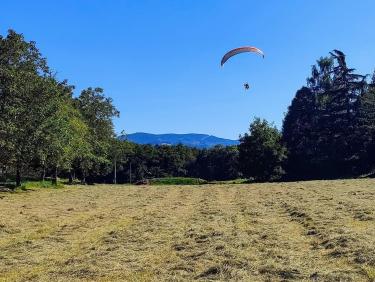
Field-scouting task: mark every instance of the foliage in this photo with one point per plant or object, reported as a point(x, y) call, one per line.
point(97, 112)
point(147, 162)
point(328, 128)
point(261, 153)
point(22, 70)
point(41, 125)
point(218, 163)
point(365, 131)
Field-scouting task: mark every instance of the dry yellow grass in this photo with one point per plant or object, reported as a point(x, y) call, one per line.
point(303, 231)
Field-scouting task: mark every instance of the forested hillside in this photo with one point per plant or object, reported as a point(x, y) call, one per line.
point(190, 139)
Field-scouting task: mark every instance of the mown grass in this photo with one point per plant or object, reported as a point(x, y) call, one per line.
point(301, 231)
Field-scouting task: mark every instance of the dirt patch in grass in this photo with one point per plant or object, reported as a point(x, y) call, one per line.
point(301, 231)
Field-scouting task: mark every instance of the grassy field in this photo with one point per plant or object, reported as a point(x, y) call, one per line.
point(302, 231)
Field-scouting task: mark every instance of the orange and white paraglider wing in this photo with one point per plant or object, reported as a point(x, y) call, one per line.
point(236, 51)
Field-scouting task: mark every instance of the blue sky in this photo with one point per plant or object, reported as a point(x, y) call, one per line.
point(160, 60)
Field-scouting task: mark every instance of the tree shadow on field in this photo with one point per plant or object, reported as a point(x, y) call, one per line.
point(7, 187)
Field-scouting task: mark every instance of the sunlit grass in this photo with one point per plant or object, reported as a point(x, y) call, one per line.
point(250, 232)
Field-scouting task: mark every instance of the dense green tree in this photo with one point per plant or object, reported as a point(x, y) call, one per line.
point(97, 112)
point(261, 153)
point(174, 160)
point(22, 69)
point(319, 129)
point(148, 161)
point(120, 152)
point(142, 163)
point(301, 134)
point(339, 118)
point(63, 133)
point(218, 163)
point(364, 131)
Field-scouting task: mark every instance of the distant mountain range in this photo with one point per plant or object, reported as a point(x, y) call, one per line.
point(191, 139)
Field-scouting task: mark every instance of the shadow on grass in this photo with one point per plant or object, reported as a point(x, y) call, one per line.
point(28, 186)
point(7, 186)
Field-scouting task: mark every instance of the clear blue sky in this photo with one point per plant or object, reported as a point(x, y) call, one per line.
point(159, 60)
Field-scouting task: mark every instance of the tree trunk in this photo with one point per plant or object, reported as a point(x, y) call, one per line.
point(4, 173)
point(54, 179)
point(18, 175)
point(130, 173)
point(115, 173)
point(83, 180)
point(70, 177)
point(44, 173)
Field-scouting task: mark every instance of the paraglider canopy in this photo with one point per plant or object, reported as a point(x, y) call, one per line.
point(236, 51)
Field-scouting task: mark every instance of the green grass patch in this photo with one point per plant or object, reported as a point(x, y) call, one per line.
point(177, 181)
point(232, 181)
point(370, 272)
point(40, 184)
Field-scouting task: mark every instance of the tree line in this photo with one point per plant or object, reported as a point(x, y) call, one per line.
point(46, 131)
point(328, 131)
point(43, 128)
point(329, 128)
point(148, 161)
